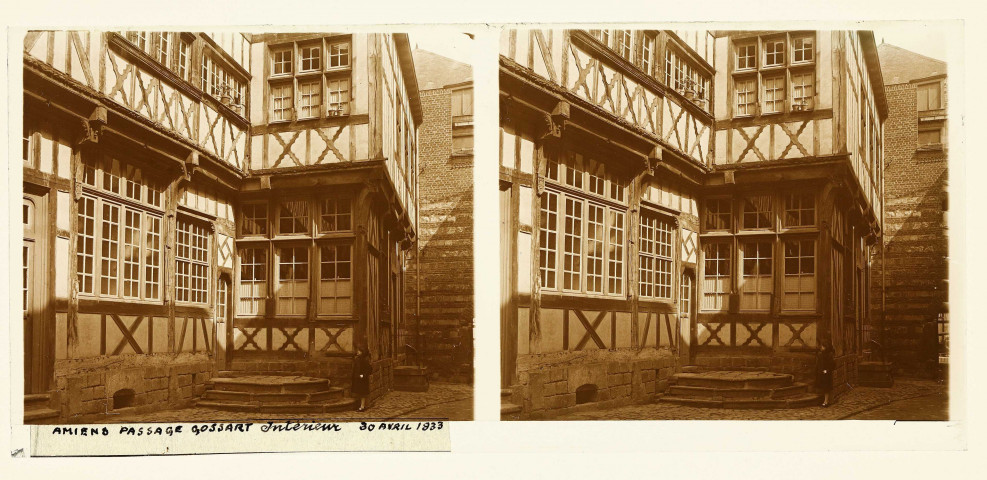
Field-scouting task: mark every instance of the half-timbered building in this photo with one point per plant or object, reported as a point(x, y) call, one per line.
point(201, 203)
point(681, 198)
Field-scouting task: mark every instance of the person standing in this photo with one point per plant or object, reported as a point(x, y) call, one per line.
point(825, 363)
point(360, 386)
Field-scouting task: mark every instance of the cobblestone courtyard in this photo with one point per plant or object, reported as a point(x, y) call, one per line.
point(907, 400)
point(447, 401)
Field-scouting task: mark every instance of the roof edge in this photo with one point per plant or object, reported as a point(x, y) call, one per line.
point(410, 76)
point(874, 71)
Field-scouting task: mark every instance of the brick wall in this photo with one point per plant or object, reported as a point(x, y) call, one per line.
point(915, 235)
point(446, 241)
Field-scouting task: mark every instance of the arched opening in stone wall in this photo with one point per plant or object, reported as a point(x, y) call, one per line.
point(586, 393)
point(123, 398)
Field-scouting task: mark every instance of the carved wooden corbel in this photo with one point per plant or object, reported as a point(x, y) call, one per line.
point(92, 127)
point(556, 121)
point(191, 165)
point(652, 160)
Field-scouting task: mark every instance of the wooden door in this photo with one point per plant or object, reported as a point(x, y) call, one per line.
point(508, 311)
point(222, 323)
point(34, 296)
point(687, 305)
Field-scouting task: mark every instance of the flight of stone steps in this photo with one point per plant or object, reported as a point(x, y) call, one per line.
point(738, 389)
point(37, 409)
point(289, 393)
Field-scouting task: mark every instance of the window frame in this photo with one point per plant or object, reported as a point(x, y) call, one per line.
point(650, 286)
point(723, 275)
point(811, 277)
point(195, 295)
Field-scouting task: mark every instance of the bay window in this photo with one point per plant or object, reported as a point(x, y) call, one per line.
point(775, 74)
point(307, 76)
point(717, 214)
point(757, 212)
point(800, 210)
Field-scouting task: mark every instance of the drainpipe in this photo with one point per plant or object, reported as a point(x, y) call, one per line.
point(884, 268)
point(418, 271)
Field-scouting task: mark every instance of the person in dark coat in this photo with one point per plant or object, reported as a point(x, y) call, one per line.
point(824, 371)
point(361, 378)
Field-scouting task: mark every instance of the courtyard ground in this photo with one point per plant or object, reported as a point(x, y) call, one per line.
point(445, 401)
point(906, 400)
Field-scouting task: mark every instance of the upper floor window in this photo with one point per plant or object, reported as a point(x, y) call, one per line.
point(717, 214)
point(802, 49)
point(307, 76)
point(757, 212)
point(774, 53)
point(647, 52)
point(746, 56)
point(928, 96)
point(746, 97)
point(800, 210)
point(802, 90)
point(281, 61)
point(462, 103)
point(311, 58)
point(774, 95)
point(622, 43)
point(171, 49)
point(931, 136)
point(655, 255)
point(191, 262)
point(218, 82)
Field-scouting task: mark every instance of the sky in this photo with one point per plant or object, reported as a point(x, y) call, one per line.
point(446, 42)
point(923, 38)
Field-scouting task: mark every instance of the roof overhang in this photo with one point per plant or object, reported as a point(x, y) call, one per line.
point(874, 71)
point(408, 73)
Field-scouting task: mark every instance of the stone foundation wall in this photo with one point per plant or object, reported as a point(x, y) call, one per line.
point(548, 384)
point(85, 388)
point(845, 374)
point(381, 378)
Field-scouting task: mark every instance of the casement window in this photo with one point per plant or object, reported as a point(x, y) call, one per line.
point(339, 55)
point(803, 90)
point(338, 97)
point(336, 215)
point(757, 212)
point(462, 103)
point(581, 238)
point(623, 43)
point(800, 210)
point(928, 96)
point(462, 142)
point(184, 59)
point(118, 246)
point(293, 218)
point(27, 145)
point(548, 239)
point(162, 47)
point(605, 37)
point(282, 59)
point(335, 280)
point(310, 58)
point(746, 97)
point(139, 39)
point(800, 276)
point(669, 68)
point(647, 52)
point(253, 281)
point(253, 219)
point(717, 214)
point(716, 276)
point(756, 284)
point(774, 53)
point(191, 262)
point(928, 137)
point(774, 95)
point(615, 253)
point(293, 290)
point(685, 295)
point(746, 56)
point(309, 99)
point(802, 49)
point(655, 256)
point(681, 74)
point(775, 74)
point(572, 244)
point(281, 99)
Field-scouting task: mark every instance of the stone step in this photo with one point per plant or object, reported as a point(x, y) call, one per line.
point(36, 400)
point(252, 373)
point(734, 379)
point(738, 393)
point(411, 380)
point(39, 415)
point(251, 398)
point(342, 404)
point(506, 392)
point(509, 411)
point(269, 384)
point(797, 401)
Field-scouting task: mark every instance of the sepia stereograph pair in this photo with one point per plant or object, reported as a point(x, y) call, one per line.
point(693, 224)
